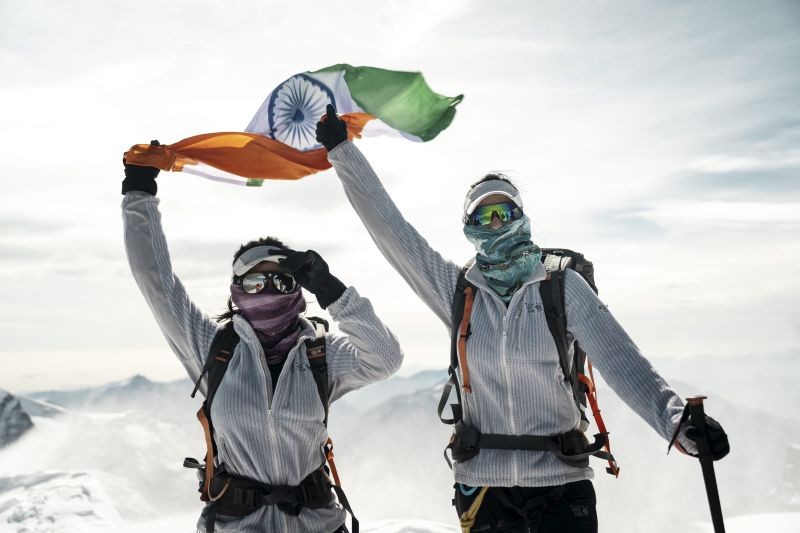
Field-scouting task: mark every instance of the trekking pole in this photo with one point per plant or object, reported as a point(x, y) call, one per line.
point(698, 420)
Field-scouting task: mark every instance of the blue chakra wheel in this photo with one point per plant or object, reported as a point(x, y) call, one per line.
point(294, 110)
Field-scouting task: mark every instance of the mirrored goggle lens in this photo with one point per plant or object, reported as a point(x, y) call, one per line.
point(506, 211)
point(258, 281)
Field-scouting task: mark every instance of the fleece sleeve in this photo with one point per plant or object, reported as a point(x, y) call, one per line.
point(432, 277)
point(188, 330)
point(618, 359)
point(366, 353)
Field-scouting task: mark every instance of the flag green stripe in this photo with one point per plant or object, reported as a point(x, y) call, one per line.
point(403, 100)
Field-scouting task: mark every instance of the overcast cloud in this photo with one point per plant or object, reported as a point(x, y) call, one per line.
point(661, 139)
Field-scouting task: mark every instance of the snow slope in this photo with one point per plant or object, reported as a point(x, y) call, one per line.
point(120, 437)
point(766, 522)
point(51, 502)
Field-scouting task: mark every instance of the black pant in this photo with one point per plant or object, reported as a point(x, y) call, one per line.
point(566, 508)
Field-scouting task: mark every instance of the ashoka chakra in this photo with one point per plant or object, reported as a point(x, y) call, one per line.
point(294, 110)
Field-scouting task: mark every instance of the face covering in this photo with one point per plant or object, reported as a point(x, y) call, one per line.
point(275, 317)
point(506, 256)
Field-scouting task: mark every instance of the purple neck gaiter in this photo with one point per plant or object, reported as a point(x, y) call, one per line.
point(275, 317)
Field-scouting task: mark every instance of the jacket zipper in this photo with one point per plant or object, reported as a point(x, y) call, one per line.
point(262, 359)
point(515, 466)
point(508, 394)
point(514, 463)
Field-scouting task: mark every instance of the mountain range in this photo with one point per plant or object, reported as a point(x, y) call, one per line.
point(111, 456)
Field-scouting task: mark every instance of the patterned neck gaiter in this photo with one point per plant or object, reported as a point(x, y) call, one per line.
point(506, 256)
point(275, 317)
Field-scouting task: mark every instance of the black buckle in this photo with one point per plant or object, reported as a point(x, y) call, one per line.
point(304, 494)
point(466, 436)
point(572, 443)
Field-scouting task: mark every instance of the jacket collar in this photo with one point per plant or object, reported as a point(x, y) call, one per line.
point(246, 332)
point(475, 277)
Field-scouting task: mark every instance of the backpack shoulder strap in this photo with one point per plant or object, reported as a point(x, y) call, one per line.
point(556, 261)
point(457, 311)
point(459, 332)
point(552, 293)
point(217, 360)
point(318, 362)
point(219, 354)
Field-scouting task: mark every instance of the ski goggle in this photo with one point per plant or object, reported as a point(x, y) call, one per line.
point(256, 282)
point(482, 215)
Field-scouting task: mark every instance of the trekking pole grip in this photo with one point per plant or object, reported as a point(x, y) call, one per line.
point(697, 418)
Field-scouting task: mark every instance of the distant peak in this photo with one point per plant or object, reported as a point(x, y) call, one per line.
point(134, 381)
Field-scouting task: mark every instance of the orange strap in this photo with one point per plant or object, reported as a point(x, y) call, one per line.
point(591, 395)
point(463, 332)
point(328, 449)
point(201, 416)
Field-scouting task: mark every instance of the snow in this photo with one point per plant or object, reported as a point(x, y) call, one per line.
point(766, 522)
point(89, 461)
point(408, 526)
point(57, 502)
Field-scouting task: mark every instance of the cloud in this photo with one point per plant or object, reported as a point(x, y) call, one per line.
point(630, 128)
point(723, 163)
point(777, 184)
point(27, 225)
point(671, 212)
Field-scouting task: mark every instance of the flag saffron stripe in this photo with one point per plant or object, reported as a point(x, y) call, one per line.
point(249, 155)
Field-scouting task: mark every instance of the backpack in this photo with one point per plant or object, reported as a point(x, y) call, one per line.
point(219, 354)
point(573, 447)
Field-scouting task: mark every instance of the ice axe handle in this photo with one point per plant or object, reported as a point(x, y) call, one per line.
point(698, 419)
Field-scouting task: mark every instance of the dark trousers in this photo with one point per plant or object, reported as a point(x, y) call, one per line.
point(566, 508)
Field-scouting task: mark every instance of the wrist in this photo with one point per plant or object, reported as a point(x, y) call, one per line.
point(331, 292)
point(139, 183)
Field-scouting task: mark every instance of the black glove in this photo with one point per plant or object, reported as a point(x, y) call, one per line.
point(717, 438)
point(331, 130)
point(138, 178)
point(311, 272)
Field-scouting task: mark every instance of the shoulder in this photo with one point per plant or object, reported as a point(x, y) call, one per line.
point(576, 289)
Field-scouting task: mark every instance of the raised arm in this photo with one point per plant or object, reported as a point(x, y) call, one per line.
point(368, 351)
point(432, 277)
point(188, 330)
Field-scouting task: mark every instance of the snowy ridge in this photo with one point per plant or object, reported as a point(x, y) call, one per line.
point(40, 408)
point(14, 421)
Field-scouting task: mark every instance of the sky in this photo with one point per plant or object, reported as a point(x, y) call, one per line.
point(660, 139)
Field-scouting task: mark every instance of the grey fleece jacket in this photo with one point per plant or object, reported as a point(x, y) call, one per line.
point(272, 436)
point(517, 383)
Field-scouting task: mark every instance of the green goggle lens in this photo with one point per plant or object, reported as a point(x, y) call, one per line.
point(483, 214)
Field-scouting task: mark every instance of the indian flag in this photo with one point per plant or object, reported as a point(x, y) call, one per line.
point(280, 141)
